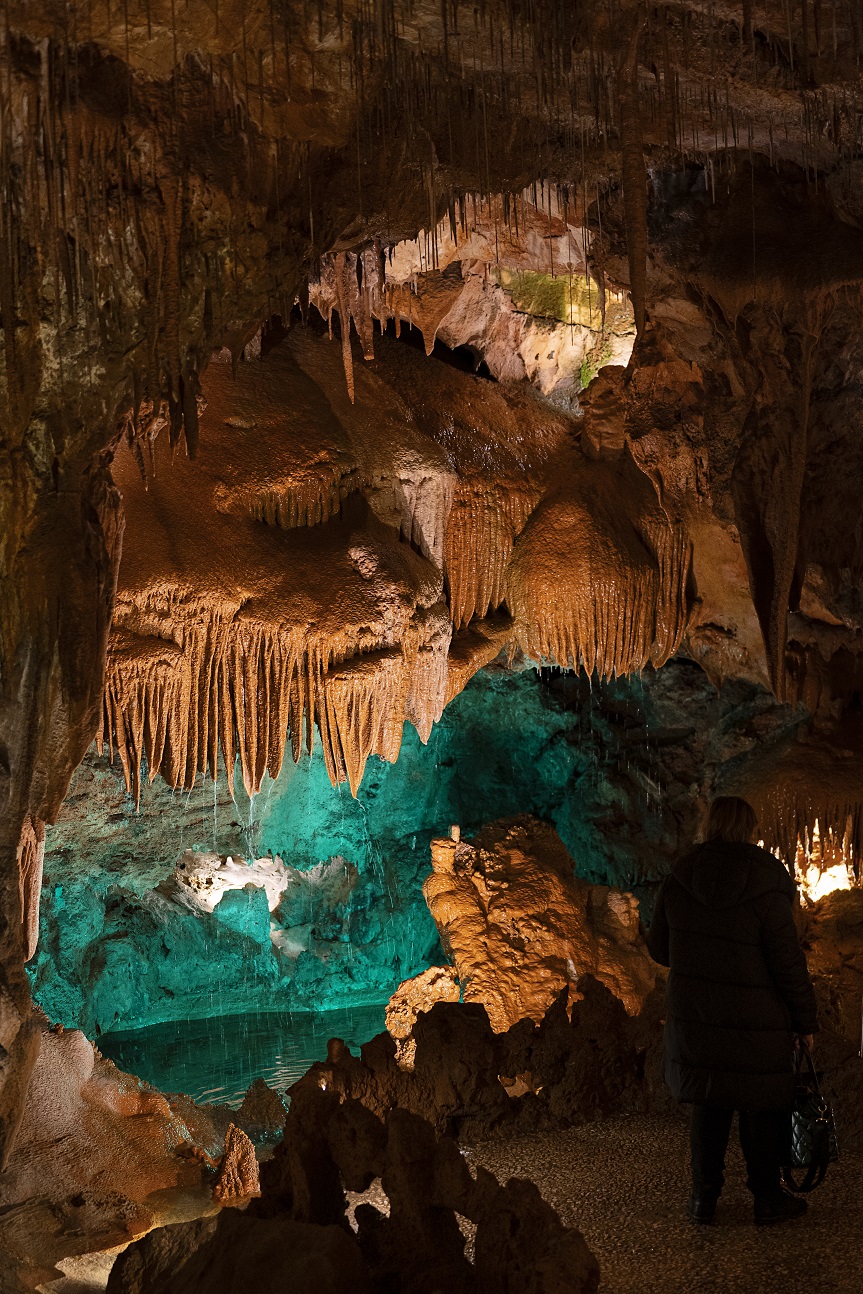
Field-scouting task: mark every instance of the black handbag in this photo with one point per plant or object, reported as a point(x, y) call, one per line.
point(813, 1132)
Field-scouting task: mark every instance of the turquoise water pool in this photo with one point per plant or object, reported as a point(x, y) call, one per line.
point(217, 1059)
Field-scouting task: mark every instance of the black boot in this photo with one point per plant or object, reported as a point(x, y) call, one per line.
point(701, 1208)
point(777, 1207)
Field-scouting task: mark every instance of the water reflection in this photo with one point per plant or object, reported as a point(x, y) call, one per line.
point(217, 1059)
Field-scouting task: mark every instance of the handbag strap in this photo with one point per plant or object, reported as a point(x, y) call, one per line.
point(804, 1057)
point(815, 1174)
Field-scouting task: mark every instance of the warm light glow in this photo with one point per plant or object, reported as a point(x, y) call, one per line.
point(824, 866)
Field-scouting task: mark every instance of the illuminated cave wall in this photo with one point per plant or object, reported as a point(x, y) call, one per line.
point(619, 768)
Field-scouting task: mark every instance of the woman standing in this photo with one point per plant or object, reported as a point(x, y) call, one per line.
point(739, 995)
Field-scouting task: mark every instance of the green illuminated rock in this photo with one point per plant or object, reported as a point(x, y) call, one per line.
point(613, 767)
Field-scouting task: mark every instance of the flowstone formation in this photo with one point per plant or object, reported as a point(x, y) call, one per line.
point(519, 925)
point(265, 593)
point(103, 1157)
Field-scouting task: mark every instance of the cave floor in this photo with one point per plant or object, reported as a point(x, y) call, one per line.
point(624, 1183)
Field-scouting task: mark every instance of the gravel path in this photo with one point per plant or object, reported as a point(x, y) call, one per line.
point(624, 1183)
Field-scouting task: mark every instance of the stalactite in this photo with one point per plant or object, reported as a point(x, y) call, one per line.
point(594, 583)
point(31, 856)
point(341, 273)
point(633, 173)
point(245, 687)
point(803, 786)
point(359, 711)
point(484, 522)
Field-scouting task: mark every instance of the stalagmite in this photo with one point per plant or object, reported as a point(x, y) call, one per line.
point(237, 1178)
point(411, 999)
point(519, 925)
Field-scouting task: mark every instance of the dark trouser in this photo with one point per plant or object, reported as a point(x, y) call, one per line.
point(765, 1136)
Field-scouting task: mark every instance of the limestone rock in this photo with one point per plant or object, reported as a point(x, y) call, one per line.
point(411, 998)
point(520, 1248)
point(297, 1235)
point(578, 1063)
point(236, 1253)
point(262, 1113)
point(520, 926)
point(237, 1176)
point(95, 1143)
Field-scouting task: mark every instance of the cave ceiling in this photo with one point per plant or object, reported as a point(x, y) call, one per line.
point(238, 506)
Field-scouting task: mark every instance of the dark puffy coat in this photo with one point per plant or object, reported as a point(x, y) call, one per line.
point(739, 986)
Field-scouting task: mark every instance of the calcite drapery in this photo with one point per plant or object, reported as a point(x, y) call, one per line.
point(598, 576)
point(294, 577)
point(230, 630)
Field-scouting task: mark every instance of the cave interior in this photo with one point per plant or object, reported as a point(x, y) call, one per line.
point(431, 454)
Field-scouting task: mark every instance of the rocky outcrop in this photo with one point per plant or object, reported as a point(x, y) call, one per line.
point(520, 925)
point(414, 997)
point(235, 1252)
point(237, 1174)
point(576, 1064)
point(299, 1229)
point(94, 1145)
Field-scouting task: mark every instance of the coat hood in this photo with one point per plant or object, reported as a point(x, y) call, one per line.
point(720, 874)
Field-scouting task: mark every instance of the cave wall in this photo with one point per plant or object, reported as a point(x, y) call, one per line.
point(160, 204)
point(621, 769)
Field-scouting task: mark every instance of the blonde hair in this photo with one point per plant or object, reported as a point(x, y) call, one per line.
point(731, 818)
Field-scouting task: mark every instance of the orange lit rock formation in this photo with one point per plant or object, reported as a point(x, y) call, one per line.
point(520, 926)
point(94, 1144)
point(294, 577)
point(413, 997)
point(237, 1176)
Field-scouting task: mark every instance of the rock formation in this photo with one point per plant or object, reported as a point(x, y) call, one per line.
point(519, 925)
point(299, 1230)
point(413, 998)
point(237, 1174)
point(94, 1144)
point(213, 651)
